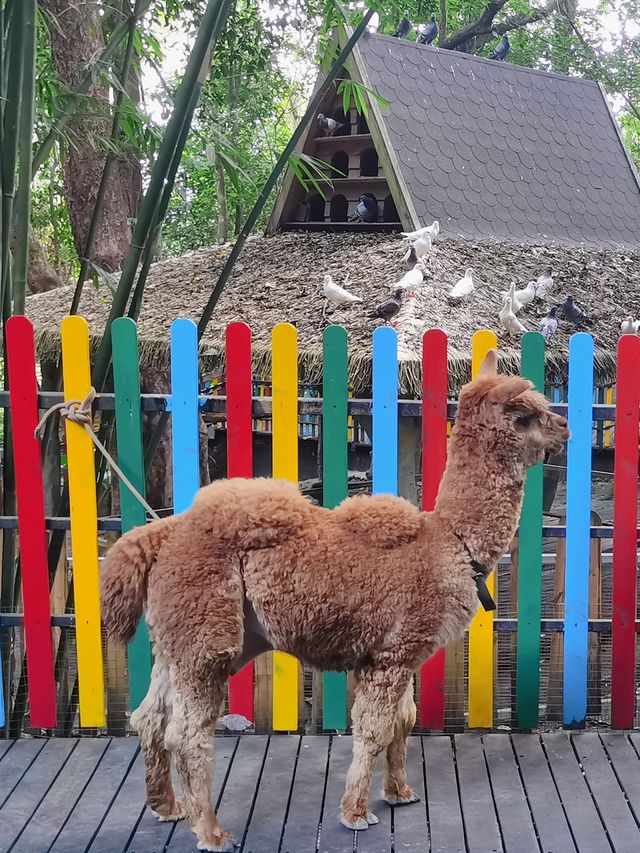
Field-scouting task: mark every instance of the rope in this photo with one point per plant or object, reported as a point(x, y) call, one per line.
point(79, 412)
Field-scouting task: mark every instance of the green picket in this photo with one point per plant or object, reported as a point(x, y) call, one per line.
point(530, 562)
point(335, 477)
point(126, 378)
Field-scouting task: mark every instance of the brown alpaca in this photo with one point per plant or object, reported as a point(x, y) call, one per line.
point(374, 586)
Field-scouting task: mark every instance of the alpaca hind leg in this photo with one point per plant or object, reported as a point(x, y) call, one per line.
point(378, 693)
point(190, 738)
point(150, 720)
point(394, 785)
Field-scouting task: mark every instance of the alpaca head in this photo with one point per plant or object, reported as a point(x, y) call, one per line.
point(504, 412)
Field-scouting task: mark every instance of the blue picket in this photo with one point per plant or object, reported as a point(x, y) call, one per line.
point(184, 413)
point(384, 462)
point(580, 398)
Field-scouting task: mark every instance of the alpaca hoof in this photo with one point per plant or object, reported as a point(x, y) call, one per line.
point(175, 813)
point(359, 823)
point(403, 799)
point(225, 844)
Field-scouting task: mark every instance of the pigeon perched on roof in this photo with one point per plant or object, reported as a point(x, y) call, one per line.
point(388, 309)
point(337, 295)
point(403, 29)
point(426, 33)
point(410, 280)
point(549, 324)
point(511, 293)
point(502, 50)
point(329, 125)
point(574, 313)
point(544, 284)
point(410, 257)
point(520, 298)
point(366, 209)
point(509, 320)
point(462, 288)
point(629, 326)
point(423, 245)
point(432, 230)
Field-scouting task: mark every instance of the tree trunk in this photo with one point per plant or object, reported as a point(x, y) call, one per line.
point(221, 193)
point(76, 39)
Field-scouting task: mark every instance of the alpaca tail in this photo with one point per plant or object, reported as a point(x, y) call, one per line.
point(123, 577)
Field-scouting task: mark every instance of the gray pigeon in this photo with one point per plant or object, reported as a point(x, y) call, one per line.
point(410, 257)
point(574, 313)
point(388, 309)
point(427, 32)
point(329, 125)
point(501, 51)
point(366, 209)
point(403, 29)
point(549, 324)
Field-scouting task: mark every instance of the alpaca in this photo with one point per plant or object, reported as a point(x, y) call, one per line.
point(374, 586)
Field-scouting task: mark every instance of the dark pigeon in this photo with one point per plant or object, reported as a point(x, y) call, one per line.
point(502, 50)
point(388, 309)
point(427, 32)
point(366, 209)
point(574, 313)
point(549, 324)
point(411, 257)
point(403, 29)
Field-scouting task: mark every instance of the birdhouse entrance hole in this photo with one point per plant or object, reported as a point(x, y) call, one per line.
point(339, 209)
point(390, 211)
point(340, 162)
point(363, 127)
point(344, 120)
point(369, 163)
point(316, 208)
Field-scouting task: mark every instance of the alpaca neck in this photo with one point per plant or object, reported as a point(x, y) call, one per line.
point(480, 497)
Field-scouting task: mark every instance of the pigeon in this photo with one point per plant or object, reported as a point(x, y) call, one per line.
point(574, 313)
point(426, 33)
point(511, 293)
point(423, 245)
point(549, 324)
point(432, 230)
point(463, 287)
point(411, 279)
point(544, 284)
point(329, 125)
point(388, 309)
point(403, 29)
point(366, 209)
point(374, 23)
point(337, 295)
point(501, 51)
point(629, 326)
point(520, 298)
point(509, 320)
point(410, 257)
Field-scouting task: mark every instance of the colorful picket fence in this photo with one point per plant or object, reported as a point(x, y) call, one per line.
point(184, 405)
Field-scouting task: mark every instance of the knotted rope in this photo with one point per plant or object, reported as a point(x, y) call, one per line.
point(79, 412)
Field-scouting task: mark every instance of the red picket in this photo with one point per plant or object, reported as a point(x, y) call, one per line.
point(625, 519)
point(434, 456)
point(239, 464)
point(23, 389)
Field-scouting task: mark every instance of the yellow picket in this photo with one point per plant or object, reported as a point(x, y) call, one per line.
point(481, 649)
point(284, 354)
point(84, 527)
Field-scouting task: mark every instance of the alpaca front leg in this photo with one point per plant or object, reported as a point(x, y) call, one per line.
point(377, 696)
point(394, 786)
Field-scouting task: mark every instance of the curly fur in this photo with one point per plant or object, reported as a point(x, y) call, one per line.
point(374, 586)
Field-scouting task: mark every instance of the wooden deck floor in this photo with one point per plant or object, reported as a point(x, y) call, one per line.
point(553, 793)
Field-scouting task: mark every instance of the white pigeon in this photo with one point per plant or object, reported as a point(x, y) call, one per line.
point(516, 305)
point(522, 297)
point(509, 320)
point(423, 245)
point(410, 280)
point(462, 288)
point(432, 230)
point(337, 295)
point(629, 326)
point(544, 284)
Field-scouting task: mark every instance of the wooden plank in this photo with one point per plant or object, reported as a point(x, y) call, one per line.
point(18, 808)
point(410, 828)
point(305, 806)
point(184, 413)
point(27, 456)
point(530, 562)
point(154, 834)
point(97, 797)
point(434, 457)
point(126, 380)
point(15, 764)
point(5, 746)
point(335, 479)
point(576, 640)
point(272, 800)
point(61, 799)
point(335, 838)
point(625, 522)
point(481, 640)
point(124, 813)
point(606, 791)
point(83, 512)
point(384, 440)
point(582, 815)
point(478, 812)
point(624, 760)
point(284, 343)
point(549, 818)
point(445, 817)
point(240, 464)
point(509, 797)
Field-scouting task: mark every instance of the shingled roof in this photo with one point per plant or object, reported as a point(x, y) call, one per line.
point(494, 150)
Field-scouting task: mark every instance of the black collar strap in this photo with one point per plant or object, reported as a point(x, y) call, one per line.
point(480, 577)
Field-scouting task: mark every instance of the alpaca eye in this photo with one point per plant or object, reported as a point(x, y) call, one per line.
point(524, 421)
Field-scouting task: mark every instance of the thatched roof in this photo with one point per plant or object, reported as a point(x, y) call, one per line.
point(279, 279)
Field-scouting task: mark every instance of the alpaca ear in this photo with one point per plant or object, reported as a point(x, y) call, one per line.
point(489, 366)
point(508, 389)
